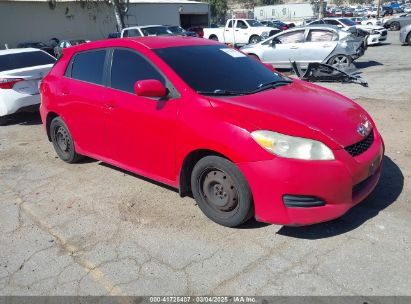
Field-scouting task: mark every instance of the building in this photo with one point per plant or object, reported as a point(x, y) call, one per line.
point(287, 12)
point(41, 20)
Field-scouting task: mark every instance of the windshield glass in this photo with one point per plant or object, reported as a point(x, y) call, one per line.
point(254, 23)
point(156, 31)
point(347, 22)
point(211, 68)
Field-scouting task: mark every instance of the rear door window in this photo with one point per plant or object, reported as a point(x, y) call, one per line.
point(24, 60)
point(292, 37)
point(321, 36)
point(128, 67)
point(88, 66)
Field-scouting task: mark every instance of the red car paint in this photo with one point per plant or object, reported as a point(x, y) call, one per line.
point(139, 135)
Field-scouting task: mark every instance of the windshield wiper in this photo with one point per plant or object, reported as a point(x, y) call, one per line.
point(271, 85)
point(221, 93)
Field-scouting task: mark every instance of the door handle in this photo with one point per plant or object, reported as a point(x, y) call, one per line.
point(326, 45)
point(236, 30)
point(294, 47)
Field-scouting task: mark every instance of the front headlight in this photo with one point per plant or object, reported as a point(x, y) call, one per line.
point(292, 147)
point(374, 32)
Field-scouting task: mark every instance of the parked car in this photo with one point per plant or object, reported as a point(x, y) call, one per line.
point(405, 34)
point(198, 30)
point(36, 45)
point(226, 135)
point(368, 21)
point(376, 34)
point(275, 24)
point(146, 30)
point(397, 23)
point(114, 35)
point(308, 44)
point(21, 70)
point(387, 11)
point(179, 31)
point(240, 32)
point(58, 50)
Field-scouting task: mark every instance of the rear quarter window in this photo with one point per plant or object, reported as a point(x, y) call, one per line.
point(88, 66)
point(24, 60)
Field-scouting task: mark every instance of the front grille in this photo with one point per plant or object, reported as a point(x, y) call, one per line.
point(362, 146)
point(384, 33)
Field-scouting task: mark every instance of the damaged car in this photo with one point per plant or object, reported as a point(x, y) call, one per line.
point(323, 44)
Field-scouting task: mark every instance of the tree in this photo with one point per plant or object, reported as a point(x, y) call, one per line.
point(218, 9)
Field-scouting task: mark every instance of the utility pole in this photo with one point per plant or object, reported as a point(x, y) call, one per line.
point(119, 11)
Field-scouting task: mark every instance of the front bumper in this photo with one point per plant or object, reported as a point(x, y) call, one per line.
point(341, 184)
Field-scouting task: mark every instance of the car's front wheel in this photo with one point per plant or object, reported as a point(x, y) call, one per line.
point(221, 191)
point(63, 142)
point(395, 26)
point(340, 61)
point(255, 39)
point(409, 39)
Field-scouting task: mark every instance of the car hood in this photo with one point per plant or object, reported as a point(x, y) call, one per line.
point(299, 109)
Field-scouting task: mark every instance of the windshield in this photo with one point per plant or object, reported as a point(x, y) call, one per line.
point(347, 22)
point(211, 68)
point(156, 31)
point(254, 23)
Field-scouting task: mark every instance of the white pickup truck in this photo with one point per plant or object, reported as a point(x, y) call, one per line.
point(240, 32)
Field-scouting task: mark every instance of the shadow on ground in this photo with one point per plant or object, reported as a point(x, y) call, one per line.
point(366, 64)
point(386, 192)
point(26, 118)
point(125, 172)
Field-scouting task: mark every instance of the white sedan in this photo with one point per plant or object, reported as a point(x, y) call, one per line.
point(21, 71)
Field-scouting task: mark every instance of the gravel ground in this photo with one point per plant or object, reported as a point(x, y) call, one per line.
point(91, 229)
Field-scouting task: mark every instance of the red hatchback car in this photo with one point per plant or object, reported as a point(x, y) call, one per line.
point(211, 121)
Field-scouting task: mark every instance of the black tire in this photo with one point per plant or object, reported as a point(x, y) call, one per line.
point(221, 191)
point(63, 142)
point(408, 40)
point(254, 39)
point(395, 26)
point(214, 37)
point(3, 120)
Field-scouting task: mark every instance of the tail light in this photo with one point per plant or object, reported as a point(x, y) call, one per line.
point(201, 34)
point(8, 83)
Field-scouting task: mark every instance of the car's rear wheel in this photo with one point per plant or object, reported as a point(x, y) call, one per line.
point(395, 26)
point(214, 37)
point(340, 61)
point(254, 39)
point(408, 40)
point(63, 142)
point(221, 191)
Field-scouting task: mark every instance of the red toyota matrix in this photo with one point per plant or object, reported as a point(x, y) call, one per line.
point(211, 121)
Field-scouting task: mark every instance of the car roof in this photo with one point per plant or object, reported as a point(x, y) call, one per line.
point(323, 25)
point(15, 51)
point(149, 42)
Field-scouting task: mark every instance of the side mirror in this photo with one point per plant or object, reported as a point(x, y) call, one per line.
point(150, 88)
